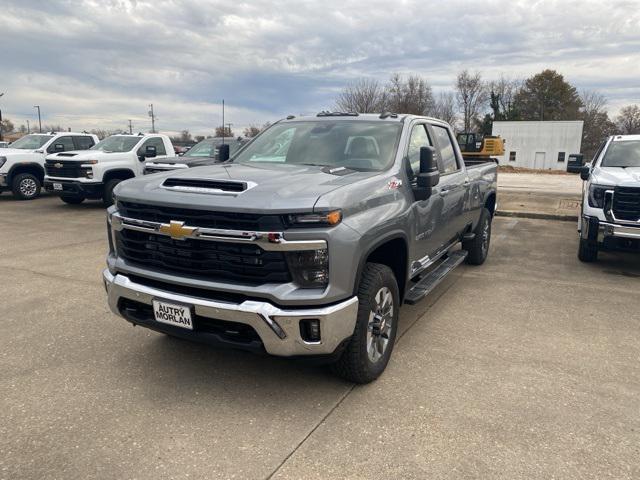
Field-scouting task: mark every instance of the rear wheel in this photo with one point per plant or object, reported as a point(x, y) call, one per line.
point(587, 252)
point(26, 186)
point(478, 248)
point(72, 200)
point(107, 197)
point(367, 353)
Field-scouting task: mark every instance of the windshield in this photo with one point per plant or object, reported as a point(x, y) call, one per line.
point(358, 145)
point(116, 143)
point(31, 142)
point(622, 154)
point(209, 147)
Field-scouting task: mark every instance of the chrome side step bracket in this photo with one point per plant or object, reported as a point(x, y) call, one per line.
point(431, 280)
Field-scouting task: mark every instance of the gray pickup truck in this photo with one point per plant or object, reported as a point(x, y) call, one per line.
point(306, 242)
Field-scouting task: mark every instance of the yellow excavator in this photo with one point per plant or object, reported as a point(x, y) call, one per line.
point(476, 146)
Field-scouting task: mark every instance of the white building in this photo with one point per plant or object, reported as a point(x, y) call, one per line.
point(540, 145)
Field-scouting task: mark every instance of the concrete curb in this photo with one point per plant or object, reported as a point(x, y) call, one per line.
point(538, 215)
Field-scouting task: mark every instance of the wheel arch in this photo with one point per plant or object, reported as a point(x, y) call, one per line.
point(30, 167)
point(490, 203)
point(391, 250)
point(119, 173)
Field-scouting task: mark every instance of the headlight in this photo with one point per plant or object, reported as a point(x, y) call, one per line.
point(329, 219)
point(3, 160)
point(596, 195)
point(309, 268)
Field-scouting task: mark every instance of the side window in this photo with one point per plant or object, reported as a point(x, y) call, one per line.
point(67, 142)
point(419, 138)
point(83, 142)
point(153, 142)
point(449, 162)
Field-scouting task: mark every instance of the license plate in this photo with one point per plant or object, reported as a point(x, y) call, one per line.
point(172, 314)
point(57, 186)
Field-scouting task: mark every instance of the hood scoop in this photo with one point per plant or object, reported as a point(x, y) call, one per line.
point(66, 155)
point(208, 186)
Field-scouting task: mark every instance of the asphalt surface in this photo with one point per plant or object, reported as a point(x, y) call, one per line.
point(526, 367)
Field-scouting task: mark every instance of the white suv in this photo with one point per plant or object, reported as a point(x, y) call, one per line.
point(610, 218)
point(22, 165)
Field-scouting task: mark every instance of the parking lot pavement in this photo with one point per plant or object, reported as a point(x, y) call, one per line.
point(526, 367)
point(539, 195)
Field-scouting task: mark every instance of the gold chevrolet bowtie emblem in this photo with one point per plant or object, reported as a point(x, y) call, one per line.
point(177, 230)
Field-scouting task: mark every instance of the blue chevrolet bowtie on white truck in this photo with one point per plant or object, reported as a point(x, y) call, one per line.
point(610, 217)
point(76, 176)
point(22, 163)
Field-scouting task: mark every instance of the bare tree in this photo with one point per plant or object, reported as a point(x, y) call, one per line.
point(224, 132)
point(597, 125)
point(471, 95)
point(362, 96)
point(253, 130)
point(413, 95)
point(502, 93)
point(628, 121)
point(445, 108)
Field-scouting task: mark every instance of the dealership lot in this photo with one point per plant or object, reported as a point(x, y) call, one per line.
point(526, 367)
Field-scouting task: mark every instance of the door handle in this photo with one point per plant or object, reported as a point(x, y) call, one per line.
point(444, 192)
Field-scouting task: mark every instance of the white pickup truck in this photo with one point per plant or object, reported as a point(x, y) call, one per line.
point(76, 176)
point(610, 218)
point(22, 164)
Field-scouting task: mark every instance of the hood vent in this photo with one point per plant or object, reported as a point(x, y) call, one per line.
point(203, 185)
point(66, 155)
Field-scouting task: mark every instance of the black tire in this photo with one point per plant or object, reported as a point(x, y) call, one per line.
point(107, 196)
point(26, 186)
point(71, 199)
point(587, 252)
point(355, 363)
point(478, 248)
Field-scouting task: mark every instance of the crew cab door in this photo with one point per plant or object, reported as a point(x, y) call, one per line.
point(425, 214)
point(161, 152)
point(453, 186)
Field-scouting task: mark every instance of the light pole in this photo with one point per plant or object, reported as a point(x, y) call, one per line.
point(1, 94)
point(229, 129)
point(39, 119)
point(153, 118)
point(130, 128)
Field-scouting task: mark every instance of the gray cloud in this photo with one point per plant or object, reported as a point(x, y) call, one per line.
point(98, 63)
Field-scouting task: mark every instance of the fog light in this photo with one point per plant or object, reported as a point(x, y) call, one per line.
point(310, 330)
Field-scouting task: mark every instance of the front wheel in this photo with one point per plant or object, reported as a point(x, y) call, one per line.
point(587, 252)
point(367, 353)
point(26, 186)
point(107, 197)
point(478, 248)
point(72, 200)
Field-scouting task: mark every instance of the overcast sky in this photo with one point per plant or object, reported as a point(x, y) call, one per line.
point(96, 64)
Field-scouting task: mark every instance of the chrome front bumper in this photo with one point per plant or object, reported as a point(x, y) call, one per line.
point(278, 329)
point(620, 231)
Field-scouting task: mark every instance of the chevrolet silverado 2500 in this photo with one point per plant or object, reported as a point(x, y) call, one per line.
point(610, 218)
point(22, 165)
point(94, 173)
point(306, 242)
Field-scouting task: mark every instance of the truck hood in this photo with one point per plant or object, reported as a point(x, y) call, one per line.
point(272, 188)
point(11, 152)
point(83, 155)
point(624, 177)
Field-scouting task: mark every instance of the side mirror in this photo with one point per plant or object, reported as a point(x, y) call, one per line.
point(429, 175)
point(223, 152)
point(58, 147)
point(150, 151)
point(585, 172)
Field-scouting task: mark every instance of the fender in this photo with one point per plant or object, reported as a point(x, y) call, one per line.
point(30, 166)
point(392, 235)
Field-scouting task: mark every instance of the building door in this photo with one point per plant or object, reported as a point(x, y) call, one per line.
point(539, 161)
